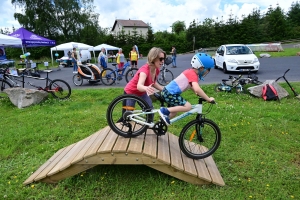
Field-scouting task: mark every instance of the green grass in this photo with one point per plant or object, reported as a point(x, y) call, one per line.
point(259, 156)
point(285, 53)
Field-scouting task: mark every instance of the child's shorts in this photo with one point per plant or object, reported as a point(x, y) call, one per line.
point(173, 99)
point(120, 65)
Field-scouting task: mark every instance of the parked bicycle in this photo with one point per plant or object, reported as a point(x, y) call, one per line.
point(165, 76)
point(230, 84)
point(251, 79)
point(130, 116)
point(110, 76)
point(57, 87)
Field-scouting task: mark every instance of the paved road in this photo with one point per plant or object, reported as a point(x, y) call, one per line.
point(270, 69)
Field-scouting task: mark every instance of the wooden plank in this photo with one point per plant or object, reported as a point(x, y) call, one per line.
point(150, 147)
point(67, 159)
point(108, 143)
point(214, 172)
point(179, 174)
point(31, 178)
point(176, 160)
point(136, 144)
point(189, 165)
point(121, 144)
point(53, 163)
point(97, 143)
point(89, 142)
point(70, 171)
point(202, 170)
point(163, 149)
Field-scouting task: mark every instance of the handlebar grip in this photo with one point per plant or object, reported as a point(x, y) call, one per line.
point(213, 102)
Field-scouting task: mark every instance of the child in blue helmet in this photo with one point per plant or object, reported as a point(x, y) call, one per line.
point(188, 79)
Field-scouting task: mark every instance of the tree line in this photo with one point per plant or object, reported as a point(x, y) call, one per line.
point(75, 20)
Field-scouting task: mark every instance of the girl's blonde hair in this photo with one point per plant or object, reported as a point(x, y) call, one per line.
point(153, 54)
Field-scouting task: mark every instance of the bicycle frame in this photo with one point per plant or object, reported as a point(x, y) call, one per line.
point(197, 108)
point(14, 78)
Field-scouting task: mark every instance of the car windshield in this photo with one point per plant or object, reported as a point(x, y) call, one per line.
point(237, 50)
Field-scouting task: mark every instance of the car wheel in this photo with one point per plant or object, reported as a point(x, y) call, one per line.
point(216, 67)
point(224, 68)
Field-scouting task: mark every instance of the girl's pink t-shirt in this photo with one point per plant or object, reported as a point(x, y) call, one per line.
point(131, 87)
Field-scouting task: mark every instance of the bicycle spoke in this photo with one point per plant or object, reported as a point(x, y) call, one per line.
point(200, 139)
point(118, 113)
point(60, 89)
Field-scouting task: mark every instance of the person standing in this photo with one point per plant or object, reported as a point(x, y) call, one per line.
point(120, 60)
point(74, 60)
point(102, 59)
point(133, 57)
point(174, 54)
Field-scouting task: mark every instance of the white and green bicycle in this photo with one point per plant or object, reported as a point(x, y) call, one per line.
point(130, 116)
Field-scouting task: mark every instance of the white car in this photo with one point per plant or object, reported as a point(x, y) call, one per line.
point(236, 58)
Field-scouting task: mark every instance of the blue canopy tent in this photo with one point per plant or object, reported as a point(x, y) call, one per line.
point(30, 39)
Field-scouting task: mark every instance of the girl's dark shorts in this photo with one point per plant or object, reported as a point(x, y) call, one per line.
point(173, 99)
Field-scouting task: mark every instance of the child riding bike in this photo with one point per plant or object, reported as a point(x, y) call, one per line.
point(188, 79)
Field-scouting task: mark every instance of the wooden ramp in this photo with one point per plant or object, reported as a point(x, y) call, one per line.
point(106, 147)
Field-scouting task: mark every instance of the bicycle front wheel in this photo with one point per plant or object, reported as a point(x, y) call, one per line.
point(200, 139)
point(130, 74)
point(108, 76)
point(60, 89)
point(165, 77)
point(121, 109)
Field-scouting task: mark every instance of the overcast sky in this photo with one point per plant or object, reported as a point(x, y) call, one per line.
point(161, 14)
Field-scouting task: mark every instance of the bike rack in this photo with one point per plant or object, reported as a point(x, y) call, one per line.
point(106, 147)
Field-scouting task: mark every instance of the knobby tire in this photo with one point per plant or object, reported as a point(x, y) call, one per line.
point(62, 89)
point(196, 147)
point(117, 118)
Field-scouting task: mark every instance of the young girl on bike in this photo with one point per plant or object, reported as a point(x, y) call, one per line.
point(201, 65)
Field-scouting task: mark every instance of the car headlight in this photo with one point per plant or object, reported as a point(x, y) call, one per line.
point(255, 60)
point(232, 61)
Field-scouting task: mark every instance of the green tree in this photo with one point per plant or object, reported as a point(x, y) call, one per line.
point(62, 19)
point(178, 27)
point(276, 24)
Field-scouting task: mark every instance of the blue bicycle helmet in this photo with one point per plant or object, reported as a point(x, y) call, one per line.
point(202, 60)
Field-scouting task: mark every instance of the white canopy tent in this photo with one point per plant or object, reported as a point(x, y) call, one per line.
point(6, 40)
point(69, 46)
point(107, 47)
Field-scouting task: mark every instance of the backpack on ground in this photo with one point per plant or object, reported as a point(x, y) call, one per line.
point(269, 93)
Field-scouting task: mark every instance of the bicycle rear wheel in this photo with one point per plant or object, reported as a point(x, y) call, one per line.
point(165, 77)
point(200, 139)
point(108, 76)
point(130, 74)
point(60, 89)
point(121, 108)
point(4, 85)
